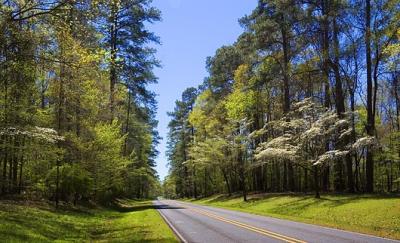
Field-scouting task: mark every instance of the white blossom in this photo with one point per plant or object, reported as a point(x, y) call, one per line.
point(342, 123)
point(346, 133)
point(330, 156)
point(364, 142)
point(327, 119)
point(312, 133)
point(277, 153)
point(46, 134)
point(257, 133)
point(280, 141)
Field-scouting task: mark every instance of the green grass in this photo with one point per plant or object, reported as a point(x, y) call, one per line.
point(370, 214)
point(127, 221)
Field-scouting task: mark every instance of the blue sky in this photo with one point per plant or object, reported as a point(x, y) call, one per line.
point(191, 31)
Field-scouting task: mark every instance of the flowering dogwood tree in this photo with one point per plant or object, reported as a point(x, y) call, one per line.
point(309, 139)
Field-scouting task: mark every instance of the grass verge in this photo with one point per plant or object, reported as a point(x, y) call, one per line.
point(369, 214)
point(127, 221)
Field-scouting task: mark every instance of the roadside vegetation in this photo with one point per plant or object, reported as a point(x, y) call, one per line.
point(369, 214)
point(77, 119)
point(125, 221)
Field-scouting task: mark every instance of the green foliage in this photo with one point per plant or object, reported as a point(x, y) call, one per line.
point(169, 188)
point(222, 68)
point(106, 160)
point(75, 182)
point(198, 116)
point(240, 102)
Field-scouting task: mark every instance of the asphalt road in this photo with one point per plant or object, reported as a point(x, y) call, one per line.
point(195, 223)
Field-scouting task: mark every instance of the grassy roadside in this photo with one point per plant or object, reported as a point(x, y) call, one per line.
point(370, 214)
point(129, 221)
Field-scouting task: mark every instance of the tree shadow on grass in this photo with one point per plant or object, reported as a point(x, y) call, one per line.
point(334, 197)
point(301, 202)
point(126, 234)
point(224, 198)
point(165, 206)
point(126, 207)
point(20, 224)
point(44, 223)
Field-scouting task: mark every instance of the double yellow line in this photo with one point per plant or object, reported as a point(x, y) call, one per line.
point(246, 226)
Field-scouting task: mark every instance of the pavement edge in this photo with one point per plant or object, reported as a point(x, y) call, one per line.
point(180, 237)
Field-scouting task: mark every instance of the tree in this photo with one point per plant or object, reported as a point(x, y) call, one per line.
point(131, 60)
point(180, 136)
point(304, 138)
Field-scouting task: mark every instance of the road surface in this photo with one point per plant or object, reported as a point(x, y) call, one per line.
point(195, 223)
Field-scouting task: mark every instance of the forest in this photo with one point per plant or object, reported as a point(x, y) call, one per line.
point(306, 100)
point(296, 121)
point(77, 119)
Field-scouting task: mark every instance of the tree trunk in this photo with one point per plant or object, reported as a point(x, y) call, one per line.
point(325, 178)
point(278, 178)
point(20, 185)
point(128, 110)
point(289, 178)
point(22, 160)
point(42, 95)
point(205, 182)
point(58, 183)
point(305, 186)
point(325, 51)
point(15, 164)
point(113, 61)
point(228, 187)
point(397, 98)
point(194, 182)
point(5, 159)
point(357, 173)
point(10, 165)
point(60, 110)
point(325, 72)
point(340, 109)
point(316, 182)
point(242, 176)
point(285, 177)
point(370, 117)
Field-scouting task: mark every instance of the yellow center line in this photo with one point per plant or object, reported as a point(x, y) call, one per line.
point(246, 226)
